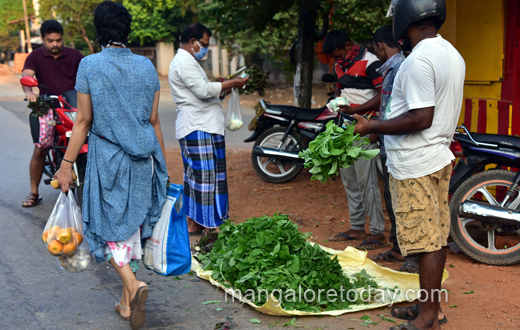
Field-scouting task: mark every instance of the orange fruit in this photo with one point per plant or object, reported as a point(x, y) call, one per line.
point(64, 235)
point(47, 236)
point(55, 247)
point(72, 230)
point(55, 228)
point(77, 238)
point(69, 248)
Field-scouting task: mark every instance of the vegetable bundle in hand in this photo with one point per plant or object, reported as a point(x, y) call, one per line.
point(334, 149)
point(257, 80)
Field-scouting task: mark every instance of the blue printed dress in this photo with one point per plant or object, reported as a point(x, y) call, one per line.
point(126, 175)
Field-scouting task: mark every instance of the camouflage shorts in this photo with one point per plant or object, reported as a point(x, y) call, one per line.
point(422, 212)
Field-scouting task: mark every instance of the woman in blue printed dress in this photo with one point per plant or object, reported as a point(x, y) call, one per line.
point(126, 176)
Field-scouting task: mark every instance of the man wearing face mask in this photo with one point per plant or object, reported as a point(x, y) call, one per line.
point(200, 131)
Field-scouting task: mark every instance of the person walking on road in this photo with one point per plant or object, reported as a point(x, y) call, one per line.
point(359, 81)
point(420, 122)
point(126, 176)
point(388, 52)
point(200, 130)
point(54, 66)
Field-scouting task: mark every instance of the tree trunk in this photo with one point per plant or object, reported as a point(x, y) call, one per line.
point(305, 55)
point(85, 37)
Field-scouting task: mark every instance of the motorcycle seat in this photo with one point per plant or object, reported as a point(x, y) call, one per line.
point(505, 141)
point(297, 113)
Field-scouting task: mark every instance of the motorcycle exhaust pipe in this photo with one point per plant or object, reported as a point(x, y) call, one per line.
point(277, 154)
point(489, 213)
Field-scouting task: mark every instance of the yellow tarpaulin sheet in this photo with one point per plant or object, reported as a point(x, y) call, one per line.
point(352, 261)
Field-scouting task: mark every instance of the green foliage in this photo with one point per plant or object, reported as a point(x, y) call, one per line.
point(155, 20)
point(257, 81)
point(76, 17)
point(270, 26)
point(9, 11)
point(360, 18)
point(39, 108)
point(334, 149)
point(269, 253)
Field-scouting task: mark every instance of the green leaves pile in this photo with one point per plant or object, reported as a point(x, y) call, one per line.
point(39, 108)
point(257, 80)
point(269, 253)
point(334, 149)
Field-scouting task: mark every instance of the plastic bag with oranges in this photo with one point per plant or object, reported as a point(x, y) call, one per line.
point(64, 237)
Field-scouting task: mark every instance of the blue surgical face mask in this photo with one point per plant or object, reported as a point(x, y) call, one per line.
point(202, 52)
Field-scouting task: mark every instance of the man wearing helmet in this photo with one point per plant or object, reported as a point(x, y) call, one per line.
point(419, 124)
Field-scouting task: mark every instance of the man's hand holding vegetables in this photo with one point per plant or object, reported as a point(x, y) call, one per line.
point(419, 124)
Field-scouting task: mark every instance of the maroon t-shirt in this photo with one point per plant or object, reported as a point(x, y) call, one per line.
point(58, 74)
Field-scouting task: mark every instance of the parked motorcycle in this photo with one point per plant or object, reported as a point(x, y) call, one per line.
point(64, 117)
point(485, 207)
point(281, 132)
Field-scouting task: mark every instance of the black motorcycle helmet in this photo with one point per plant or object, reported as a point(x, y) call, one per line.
point(405, 12)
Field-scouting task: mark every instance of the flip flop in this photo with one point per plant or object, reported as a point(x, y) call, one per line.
point(195, 233)
point(386, 257)
point(342, 237)
point(410, 267)
point(118, 308)
point(382, 245)
point(404, 326)
point(402, 313)
point(31, 200)
point(137, 306)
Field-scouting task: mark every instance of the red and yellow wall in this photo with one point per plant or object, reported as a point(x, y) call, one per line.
point(487, 35)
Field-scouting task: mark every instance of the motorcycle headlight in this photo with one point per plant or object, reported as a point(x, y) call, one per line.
point(72, 115)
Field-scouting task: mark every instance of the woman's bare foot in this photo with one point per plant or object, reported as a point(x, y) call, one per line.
point(125, 312)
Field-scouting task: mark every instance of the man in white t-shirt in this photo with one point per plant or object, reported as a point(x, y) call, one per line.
point(419, 124)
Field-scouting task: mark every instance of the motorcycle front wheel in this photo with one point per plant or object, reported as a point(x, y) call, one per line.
point(273, 170)
point(484, 242)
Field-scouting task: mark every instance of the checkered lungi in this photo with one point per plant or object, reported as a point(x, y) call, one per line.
point(205, 181)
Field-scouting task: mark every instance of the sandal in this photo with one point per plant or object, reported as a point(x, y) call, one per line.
point(118, 308)
point(409, 267)
point(381, 245)
point(404, 326)
point(344, 237)
point(137, 306)
point(386, 256)
point(31, 200)
point(402, 313)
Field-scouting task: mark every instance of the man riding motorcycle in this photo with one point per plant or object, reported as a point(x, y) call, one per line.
point(55, 67)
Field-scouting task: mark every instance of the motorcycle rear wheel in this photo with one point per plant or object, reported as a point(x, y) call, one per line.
point(478, 240)
point(272, 170)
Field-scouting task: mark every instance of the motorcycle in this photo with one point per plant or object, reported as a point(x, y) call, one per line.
point(485, 205)
point(64, 117)
point(283, 131)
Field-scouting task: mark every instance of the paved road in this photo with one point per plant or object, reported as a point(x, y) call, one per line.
point(35, 294)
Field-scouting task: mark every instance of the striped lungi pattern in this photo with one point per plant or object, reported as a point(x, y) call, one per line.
point(205, 181)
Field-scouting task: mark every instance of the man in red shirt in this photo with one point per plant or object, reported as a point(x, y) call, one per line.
point(358, 80)
point(54, 66)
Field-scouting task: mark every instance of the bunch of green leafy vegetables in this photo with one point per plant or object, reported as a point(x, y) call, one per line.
point(258, 79)
point(39, 107)
point(269, 253)
point(333, 149)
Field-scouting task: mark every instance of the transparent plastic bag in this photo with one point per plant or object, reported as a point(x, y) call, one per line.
point(63, 235)
point(234, 114)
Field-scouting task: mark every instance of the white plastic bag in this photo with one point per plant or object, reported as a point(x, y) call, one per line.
point(64, 236)
point(234, 115)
